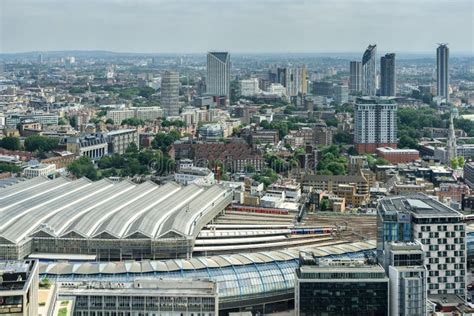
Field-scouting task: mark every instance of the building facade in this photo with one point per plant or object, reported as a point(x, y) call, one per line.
point(438, 228)
point(19, 288)
point(355, 78)
point(173, 297)
point(375, 124)
point(369, 71)
point(442, 71)
point(408, 288)
point(170, 93)
point(149, 113)
point(387, 75)
point(39, 170)
point(249, 87)
point(92, 146)
point(218, 74)
point(119, 140)
point(395, 156)
point(119, 115)
point(340, 288)
point(341, 94)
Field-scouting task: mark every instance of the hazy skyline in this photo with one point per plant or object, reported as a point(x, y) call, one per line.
point(194, 26)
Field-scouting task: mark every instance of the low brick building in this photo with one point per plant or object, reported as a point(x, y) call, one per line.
point(394, 155)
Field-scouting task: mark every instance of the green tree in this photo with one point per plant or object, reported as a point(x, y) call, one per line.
point(146, 92)
point(324, 205)
point(73, 121)
point(4, 167)
point(132, 148)
point(406, 141)
point(62, 121)
point(10, 143)
point(83, 167)
point(461, 161)
point(454, 163)
point(249, 168)
point(342, 137)
point(109, 121)
point(40, 143)
point(133, 121)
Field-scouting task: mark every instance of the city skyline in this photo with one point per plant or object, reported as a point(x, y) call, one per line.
point(182, 26)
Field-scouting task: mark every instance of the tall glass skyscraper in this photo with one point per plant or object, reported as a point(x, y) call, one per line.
point(369, 71)
point(442, 71)
point(387, 75)
point(218, 74)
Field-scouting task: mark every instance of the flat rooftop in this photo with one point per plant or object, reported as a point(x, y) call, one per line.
point(419, 205)
point(169, 287)
point(397, 150)
point(14, 274)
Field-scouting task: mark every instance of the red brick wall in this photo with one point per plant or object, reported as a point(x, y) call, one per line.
point(371, 148)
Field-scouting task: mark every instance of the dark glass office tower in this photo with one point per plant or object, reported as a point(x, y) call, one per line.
point(341, 288)
point(387, 75)
point(442, 71)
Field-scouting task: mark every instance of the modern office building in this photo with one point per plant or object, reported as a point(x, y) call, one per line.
point(323, 88)
point(340, 287)
point(12, 120)
point(375, 123)
point(180, 297)
point(19, 288)
point(388, 83)
point(442, 71)
point(170, 93)
point(218, 74)
point(355, 77)
point(369, 71)
point(404, 264)
point(211, 132)
point(439, 229)
point(281, 76)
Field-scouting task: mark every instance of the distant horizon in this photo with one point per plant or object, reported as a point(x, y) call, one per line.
point(238, 53)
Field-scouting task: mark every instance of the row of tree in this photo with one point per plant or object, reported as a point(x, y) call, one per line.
point(32, 143)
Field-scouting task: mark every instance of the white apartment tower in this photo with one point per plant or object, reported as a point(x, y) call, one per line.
point(375, 123)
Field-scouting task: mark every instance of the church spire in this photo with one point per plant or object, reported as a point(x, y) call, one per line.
point(451, 142)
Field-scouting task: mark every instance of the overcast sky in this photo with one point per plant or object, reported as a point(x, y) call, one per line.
point(194, 26)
